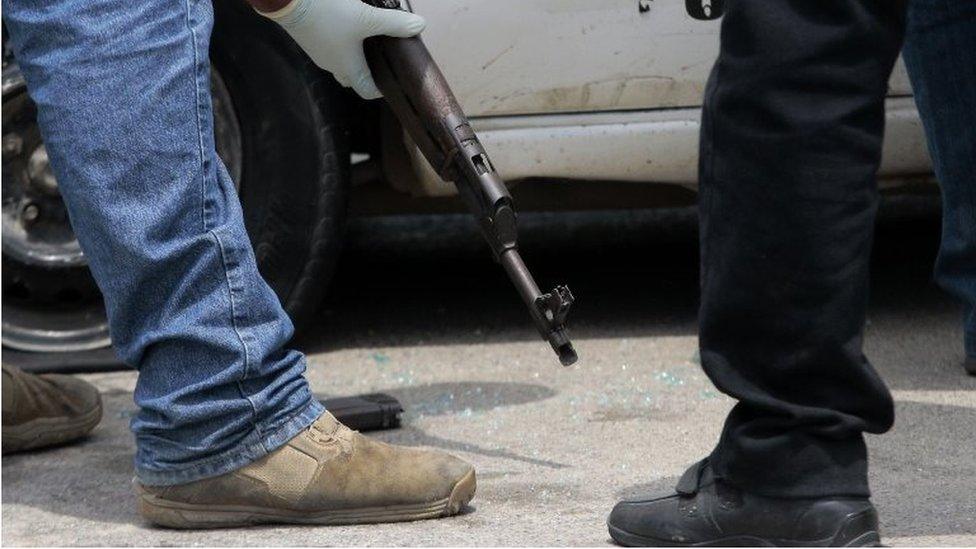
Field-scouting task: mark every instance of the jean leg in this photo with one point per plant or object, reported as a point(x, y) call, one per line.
point(940, 53)
point(791, 142)
point(122, 90)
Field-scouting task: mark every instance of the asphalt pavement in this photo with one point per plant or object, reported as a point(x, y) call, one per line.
point(420, 312)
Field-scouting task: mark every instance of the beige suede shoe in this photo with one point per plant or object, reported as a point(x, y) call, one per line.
point(44, 410)
point(328, 474)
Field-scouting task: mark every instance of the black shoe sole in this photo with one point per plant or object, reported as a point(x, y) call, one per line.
point(858, 530)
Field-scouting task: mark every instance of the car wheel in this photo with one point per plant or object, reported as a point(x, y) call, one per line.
point(277, 131)
point(295, 154)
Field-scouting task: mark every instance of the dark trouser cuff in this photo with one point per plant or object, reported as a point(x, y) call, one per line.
point(794, 465)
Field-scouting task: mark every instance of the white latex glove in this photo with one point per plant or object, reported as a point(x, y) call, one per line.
point(332, 32)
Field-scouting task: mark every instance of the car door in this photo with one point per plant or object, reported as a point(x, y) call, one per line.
point(507, 57)
point(600, 90)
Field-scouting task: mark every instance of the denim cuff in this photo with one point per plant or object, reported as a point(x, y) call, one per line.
point(252, 448)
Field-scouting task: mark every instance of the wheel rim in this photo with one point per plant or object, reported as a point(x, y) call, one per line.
point(50, 301)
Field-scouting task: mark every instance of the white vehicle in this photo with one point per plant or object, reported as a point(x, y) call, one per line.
point(580, 104)
point(605, 90)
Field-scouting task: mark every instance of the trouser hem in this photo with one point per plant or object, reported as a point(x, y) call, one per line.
point(842, 472)
point(252, 448)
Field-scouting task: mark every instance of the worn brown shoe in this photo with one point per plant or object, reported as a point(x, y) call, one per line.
point(44, 410)
point(328, 474)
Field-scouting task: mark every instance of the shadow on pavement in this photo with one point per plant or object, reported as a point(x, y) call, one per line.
point(412, 436)
point(421, 281)
point(424, 280)
point(926, 485)
point(435, 399)
point(464, 398)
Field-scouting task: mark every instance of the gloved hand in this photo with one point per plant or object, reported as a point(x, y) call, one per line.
point(332, 32)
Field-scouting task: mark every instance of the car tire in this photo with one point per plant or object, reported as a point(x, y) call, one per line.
point(277, 128)
point(295, 157)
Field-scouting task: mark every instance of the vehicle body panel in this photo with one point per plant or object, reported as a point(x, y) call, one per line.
point(507, 57)
point(654, 146)
point(601, 90)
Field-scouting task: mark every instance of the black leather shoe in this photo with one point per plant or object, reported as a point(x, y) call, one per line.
point(707, 512)
point(970, 365)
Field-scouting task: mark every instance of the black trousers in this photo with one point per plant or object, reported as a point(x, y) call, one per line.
point(790, 144)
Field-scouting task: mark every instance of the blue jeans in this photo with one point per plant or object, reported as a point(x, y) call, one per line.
point(940, 52)
point(123, 96)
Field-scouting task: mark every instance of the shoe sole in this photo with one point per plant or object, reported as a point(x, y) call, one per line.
point(859, 530)
point(49, 431)
point(174, 514)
